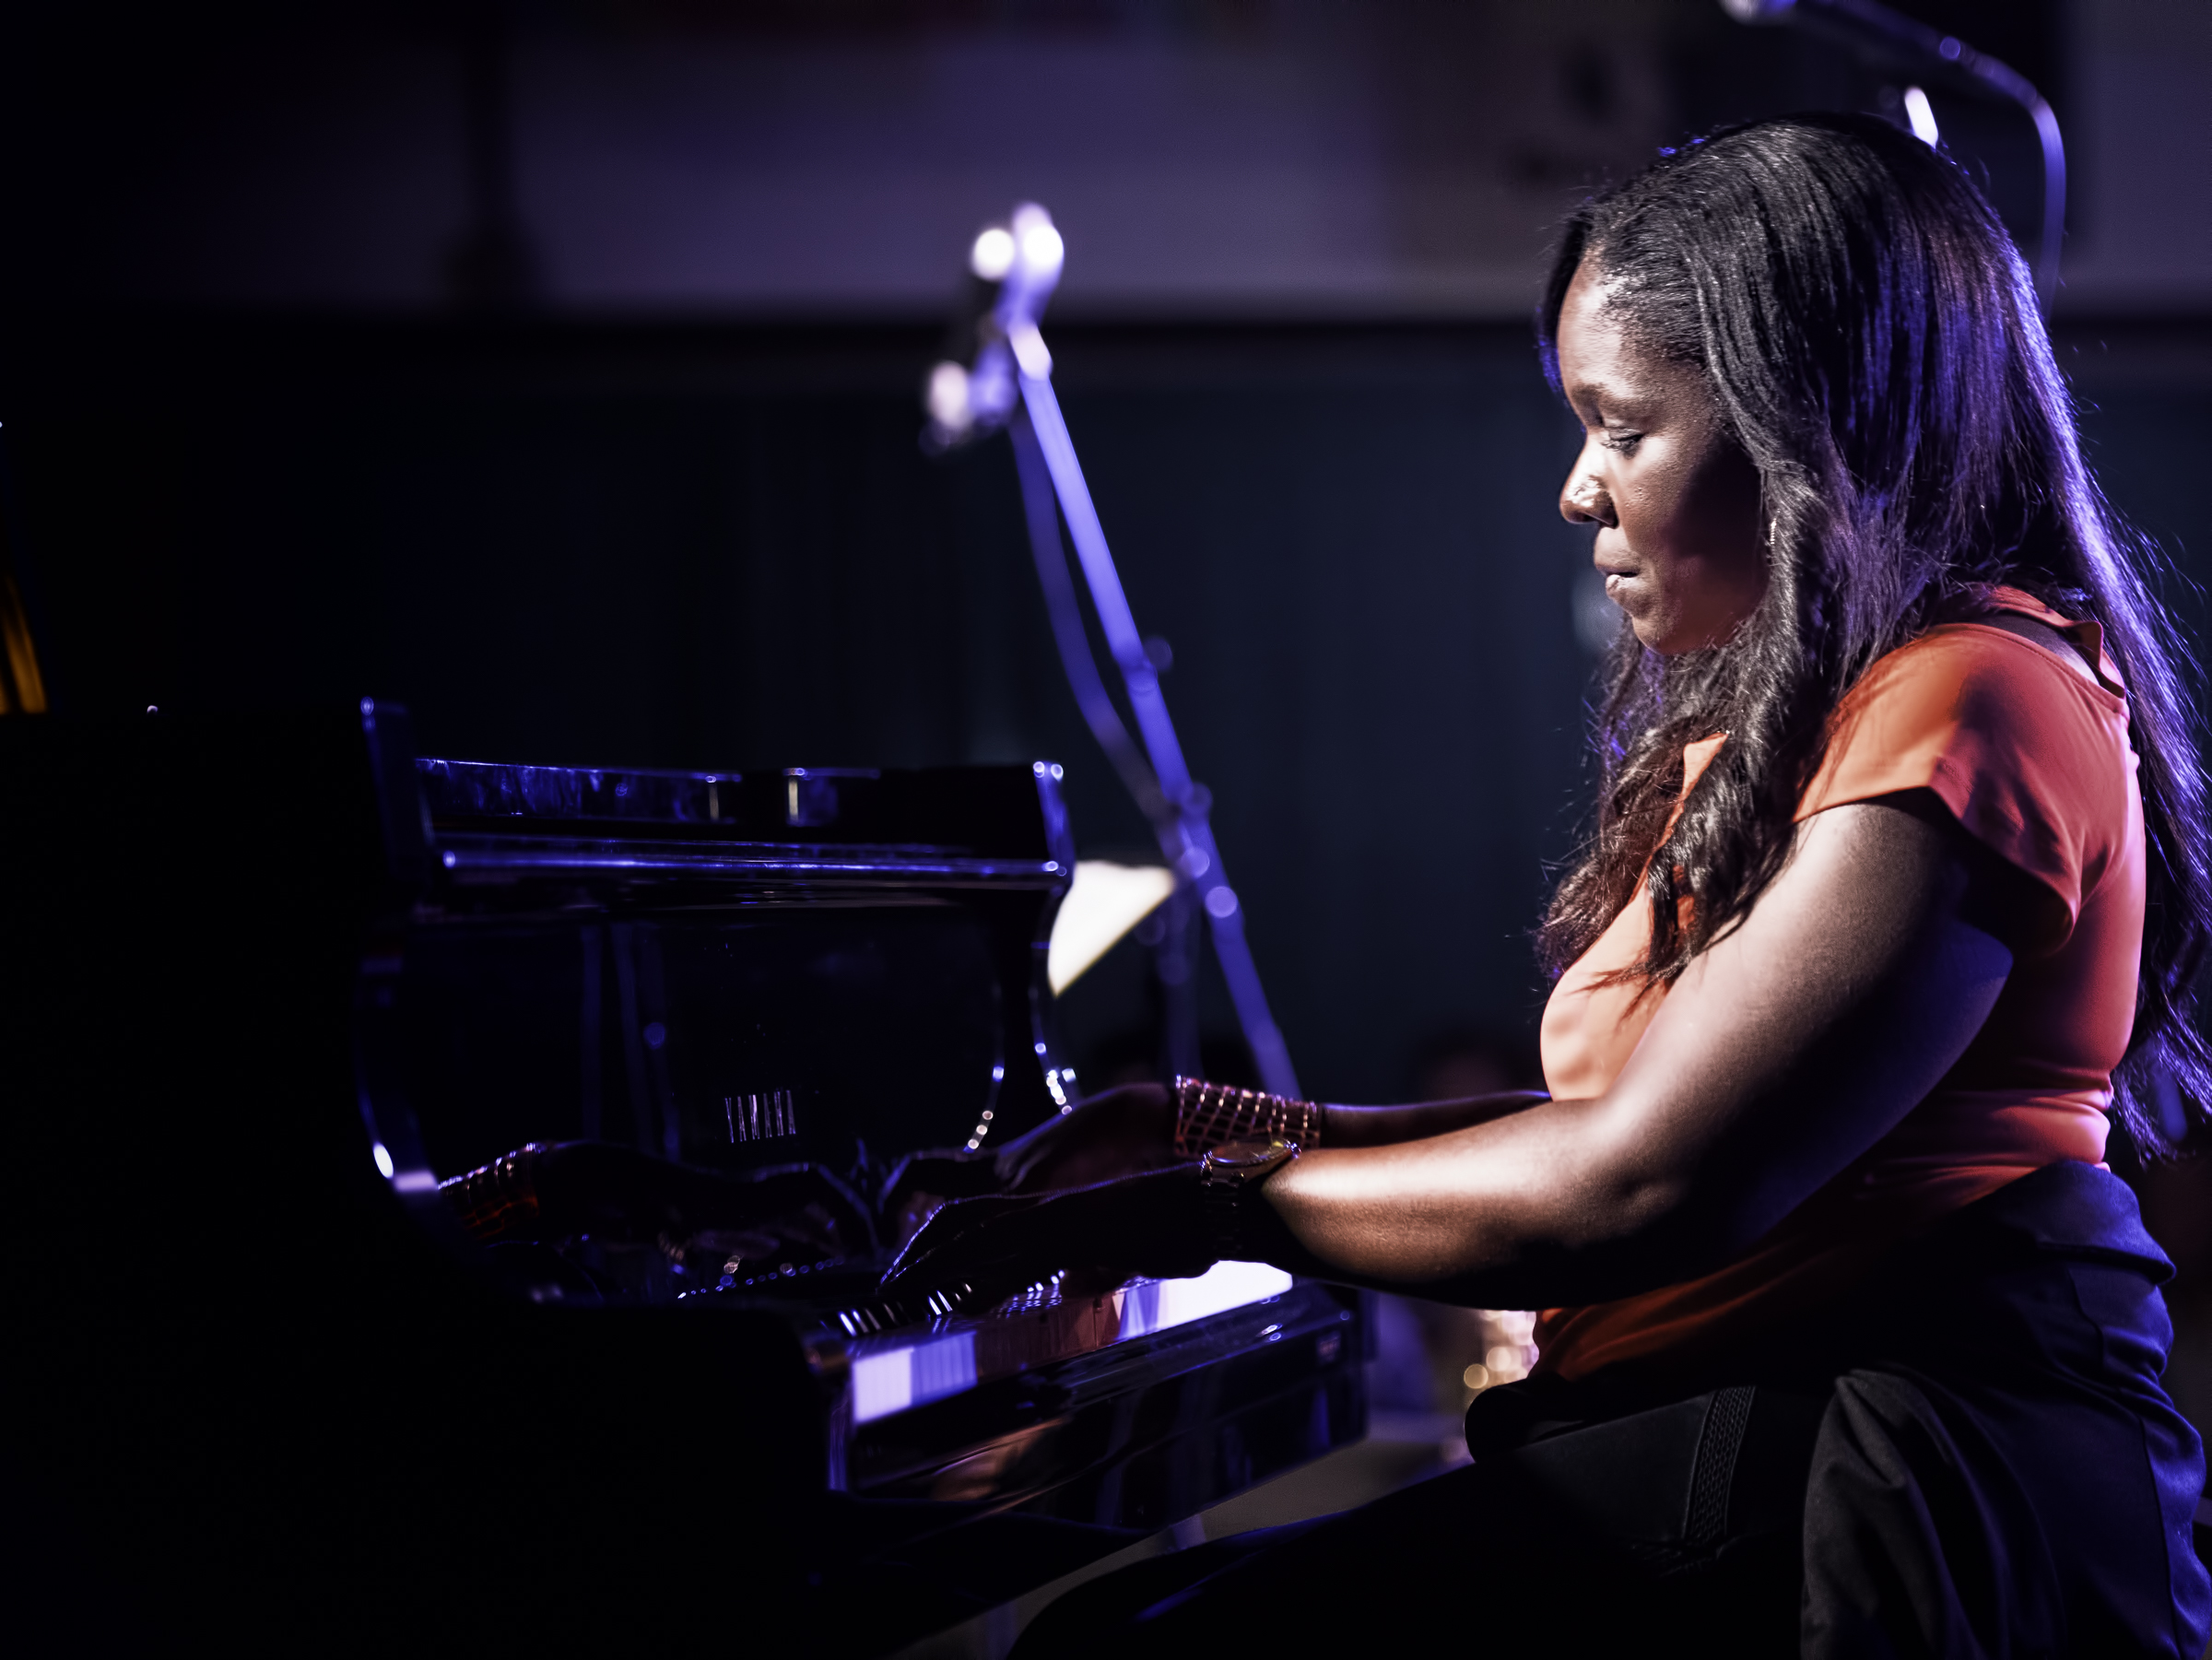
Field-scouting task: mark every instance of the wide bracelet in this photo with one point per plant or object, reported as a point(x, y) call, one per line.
point(1206, 1115)
point(498, 1200)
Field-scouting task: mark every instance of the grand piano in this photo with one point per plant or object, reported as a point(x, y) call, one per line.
point(272, 985)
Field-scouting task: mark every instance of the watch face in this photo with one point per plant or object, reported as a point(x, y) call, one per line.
point(1250, 1155)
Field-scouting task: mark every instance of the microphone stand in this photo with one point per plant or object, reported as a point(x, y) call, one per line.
point(1010, 384)
point(1872, 27)
point(1174, 955)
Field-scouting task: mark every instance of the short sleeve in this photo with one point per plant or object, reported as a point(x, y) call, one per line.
point(2030, 758)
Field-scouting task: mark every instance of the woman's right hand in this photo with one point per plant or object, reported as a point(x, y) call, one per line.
point(986, 1249)
point(1122, 1131)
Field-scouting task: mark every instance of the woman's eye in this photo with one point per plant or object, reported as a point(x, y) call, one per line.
point(1624, 443)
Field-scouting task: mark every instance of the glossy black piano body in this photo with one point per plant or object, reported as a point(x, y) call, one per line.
point(267, 983)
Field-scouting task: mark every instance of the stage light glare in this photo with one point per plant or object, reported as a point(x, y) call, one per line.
point(382, 1155)
point(992, 256)
point(1041, 247)
point(1921, 115)
point(949, 396)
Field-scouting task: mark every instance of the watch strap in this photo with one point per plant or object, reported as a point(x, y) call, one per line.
point(1231, 1177)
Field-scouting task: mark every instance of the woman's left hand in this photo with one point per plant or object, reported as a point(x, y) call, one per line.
point(1152, 1224)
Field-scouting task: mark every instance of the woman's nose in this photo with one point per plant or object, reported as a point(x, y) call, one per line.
point(1585, 500)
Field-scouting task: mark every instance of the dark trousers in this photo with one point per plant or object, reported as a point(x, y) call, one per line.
point(1973, 1458)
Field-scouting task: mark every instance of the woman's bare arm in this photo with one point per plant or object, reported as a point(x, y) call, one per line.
point(1784, 1052)
point(1385, 1126)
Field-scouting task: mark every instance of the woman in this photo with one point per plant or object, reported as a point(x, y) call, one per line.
point(1895, 893)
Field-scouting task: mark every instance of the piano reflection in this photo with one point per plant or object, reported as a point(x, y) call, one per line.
point(449, 1199)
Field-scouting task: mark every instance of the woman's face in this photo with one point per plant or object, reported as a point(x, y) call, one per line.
point(1674, 499)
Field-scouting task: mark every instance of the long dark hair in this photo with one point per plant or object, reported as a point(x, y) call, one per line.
point(1873, 340)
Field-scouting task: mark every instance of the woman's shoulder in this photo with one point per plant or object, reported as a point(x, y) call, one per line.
point(2000, 714)
point(2012, 665)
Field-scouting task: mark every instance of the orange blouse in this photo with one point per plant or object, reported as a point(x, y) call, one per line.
point(2033, 761)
